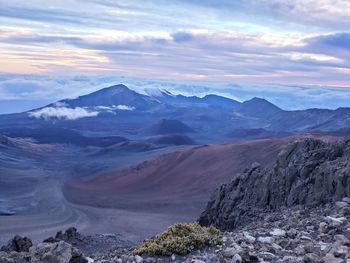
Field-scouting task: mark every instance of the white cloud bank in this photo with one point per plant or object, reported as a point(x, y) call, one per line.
point(62, 113)
point(124, 107)
point(50, 89)
point(116, 107)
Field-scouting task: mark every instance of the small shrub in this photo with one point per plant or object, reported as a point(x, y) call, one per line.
point(180, 239)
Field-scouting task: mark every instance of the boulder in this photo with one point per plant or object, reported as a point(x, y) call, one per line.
point(71, 235)
point(59, 252)
point(18, 244)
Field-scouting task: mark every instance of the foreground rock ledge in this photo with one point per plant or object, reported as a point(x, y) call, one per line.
point(58, 252)
point(320, 235)
point(297, 211)
point(307, 173)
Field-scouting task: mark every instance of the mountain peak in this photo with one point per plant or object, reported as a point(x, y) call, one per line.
point(257, 99)
point(115, 89)
point(111, 96)
point(260, 102)
point(258, 107)
point(158, 92)
point(219, 100)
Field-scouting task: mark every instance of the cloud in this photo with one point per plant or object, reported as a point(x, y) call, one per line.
point(225, 56)
point(38, 14)
point(225, 14)
point(297, 14)
point(158, 39)
point(338, 40)
point(124, 107)
point(62, 113)
point(50, 88)
point(289, 97)
point(56, 14)
point(250, 42)
point(115, 107)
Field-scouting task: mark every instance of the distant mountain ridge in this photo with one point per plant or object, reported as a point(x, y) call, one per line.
point(209, 100)
point(120, 111)
point(122, 95)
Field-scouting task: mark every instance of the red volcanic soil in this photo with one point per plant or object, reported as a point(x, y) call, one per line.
point(177, 182)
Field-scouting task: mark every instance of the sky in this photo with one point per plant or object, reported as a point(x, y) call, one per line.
point(263, 45)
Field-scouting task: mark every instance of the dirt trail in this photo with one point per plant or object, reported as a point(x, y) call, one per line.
point(58, 214)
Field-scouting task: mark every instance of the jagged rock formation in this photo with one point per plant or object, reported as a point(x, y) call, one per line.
point(71, 236)
point(18, 244)
point(68, 246)
point(58, 252)
point(315, 235)
point(308, 172)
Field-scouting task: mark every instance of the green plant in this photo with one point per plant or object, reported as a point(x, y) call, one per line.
point(180, 239)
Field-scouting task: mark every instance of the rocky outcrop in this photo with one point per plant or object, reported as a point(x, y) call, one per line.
point(313, 235)
point(71, 236)
point(58, 252)
point(309, 172)
point(295, 235)
point(94, 246)
point(18, 244)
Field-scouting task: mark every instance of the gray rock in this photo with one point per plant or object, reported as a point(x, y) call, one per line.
point(346, 200)
point(229, 252)
point(292, 233)
point(60, 252)
point(278, 232)
point(309, 172)
point(336, 221)
point(342, 240)
point(71, 235)
point(276, 247)
point(266, 240)
point(197, 261)
point(267, 256)
point(138, 259)
point(236, 259)
point(330, 258)
point(341, 204)
point(249, 238)
point(322, 226)
point(18, 244)
point(312, 258)
point(300, 250)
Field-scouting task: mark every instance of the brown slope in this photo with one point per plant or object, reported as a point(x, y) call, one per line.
point(183, 179)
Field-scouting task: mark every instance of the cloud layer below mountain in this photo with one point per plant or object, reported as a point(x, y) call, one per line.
point(50, 89)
